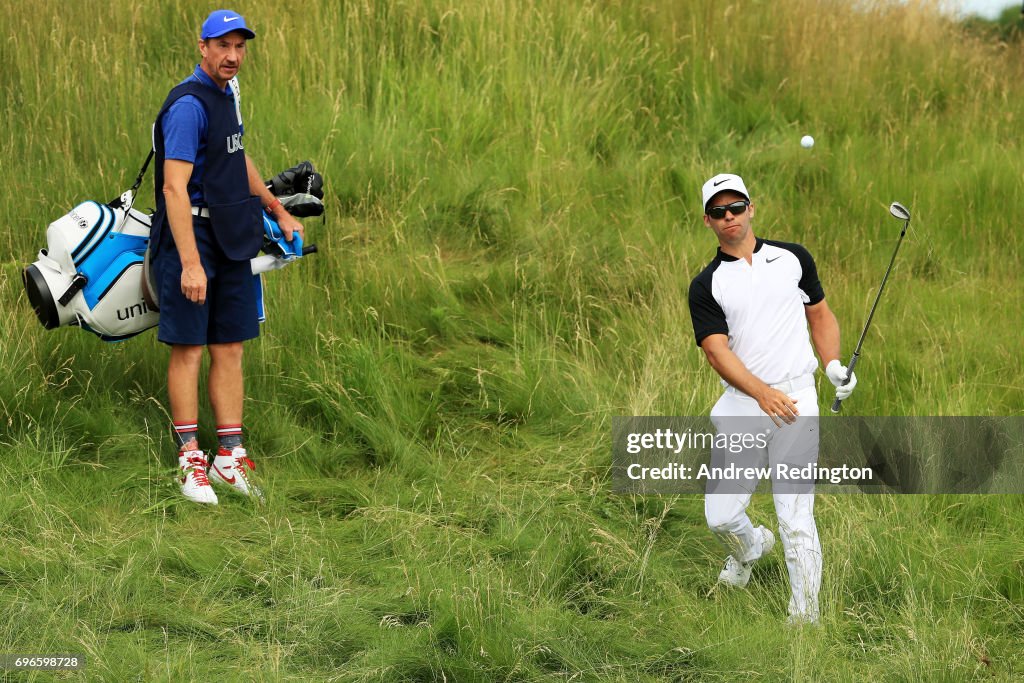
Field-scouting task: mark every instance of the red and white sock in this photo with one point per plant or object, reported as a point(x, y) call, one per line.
point(185, 432)
point(229, 436)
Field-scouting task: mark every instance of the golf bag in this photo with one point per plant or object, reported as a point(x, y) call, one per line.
point(93, 272)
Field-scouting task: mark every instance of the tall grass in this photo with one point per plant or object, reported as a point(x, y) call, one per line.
point(512, 224)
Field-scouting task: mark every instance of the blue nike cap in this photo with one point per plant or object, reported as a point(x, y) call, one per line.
point(224, 21)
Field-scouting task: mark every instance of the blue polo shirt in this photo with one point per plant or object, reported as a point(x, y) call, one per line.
point(185, 131)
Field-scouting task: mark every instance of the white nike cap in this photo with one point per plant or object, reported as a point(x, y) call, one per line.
point(721, 183)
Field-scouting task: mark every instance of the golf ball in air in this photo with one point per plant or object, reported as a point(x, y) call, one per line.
point(807, 142)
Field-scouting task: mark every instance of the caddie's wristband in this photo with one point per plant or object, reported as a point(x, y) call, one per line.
point(273, 205)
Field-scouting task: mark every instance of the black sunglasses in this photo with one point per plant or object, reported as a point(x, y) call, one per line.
point(736, 209)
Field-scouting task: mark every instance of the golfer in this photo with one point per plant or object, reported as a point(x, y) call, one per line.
point(751, 308)
point(207, 225)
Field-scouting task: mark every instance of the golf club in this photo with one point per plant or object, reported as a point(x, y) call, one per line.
point(900, 212)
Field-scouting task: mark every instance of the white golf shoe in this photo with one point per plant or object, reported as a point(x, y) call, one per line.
point(194, 483)
point(801, 620)
point(230, 468)
point(736, 573)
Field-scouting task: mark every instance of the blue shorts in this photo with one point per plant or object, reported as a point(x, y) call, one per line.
point(229, 313)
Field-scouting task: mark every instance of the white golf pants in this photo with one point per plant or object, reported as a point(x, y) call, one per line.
point(726, 513)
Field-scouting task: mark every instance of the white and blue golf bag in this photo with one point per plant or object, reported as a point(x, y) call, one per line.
point(94, 271)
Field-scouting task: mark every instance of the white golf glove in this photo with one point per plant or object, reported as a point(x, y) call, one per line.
point(836, 373)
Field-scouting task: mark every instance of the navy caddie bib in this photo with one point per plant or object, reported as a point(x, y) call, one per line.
point(235, 214)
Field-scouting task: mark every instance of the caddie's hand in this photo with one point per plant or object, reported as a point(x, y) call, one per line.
point(779, 407)
point(289, 224)
point(193, 283)
point(836, 373)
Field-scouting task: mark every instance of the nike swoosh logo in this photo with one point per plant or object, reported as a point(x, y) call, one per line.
point(227, 19)
point(772, 259)
point(724, 180)
point(226, 480)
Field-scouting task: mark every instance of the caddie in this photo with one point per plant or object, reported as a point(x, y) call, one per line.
point(207, 226)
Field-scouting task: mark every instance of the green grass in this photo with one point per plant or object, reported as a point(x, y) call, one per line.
point(512, 225)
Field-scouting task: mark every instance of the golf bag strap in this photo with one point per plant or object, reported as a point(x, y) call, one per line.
point(121, 201)
point(142, 171)
point(78, 283)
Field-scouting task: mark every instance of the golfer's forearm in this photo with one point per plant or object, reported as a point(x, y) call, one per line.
point(179, 218)
point(730, 368)
point(825, 337)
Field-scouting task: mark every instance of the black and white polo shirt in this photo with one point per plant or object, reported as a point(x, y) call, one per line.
point(760, 306)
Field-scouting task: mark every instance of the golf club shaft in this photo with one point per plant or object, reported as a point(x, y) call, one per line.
point(837, 404)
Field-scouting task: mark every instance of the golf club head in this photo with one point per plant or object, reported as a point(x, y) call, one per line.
point(899, 211)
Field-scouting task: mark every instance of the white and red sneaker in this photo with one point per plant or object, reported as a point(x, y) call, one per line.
point(194, 483)
point(231, 468)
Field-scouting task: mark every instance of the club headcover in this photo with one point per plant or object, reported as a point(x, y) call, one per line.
point(299, 179)
point(302, 205)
